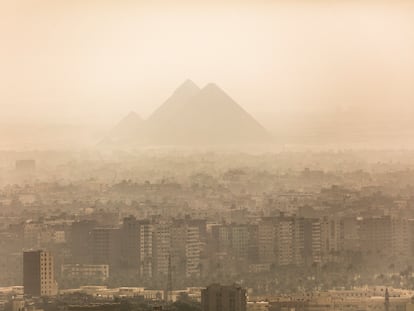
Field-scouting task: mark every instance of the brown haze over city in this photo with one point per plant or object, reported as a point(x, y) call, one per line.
point(308, 71)
point(184, 155)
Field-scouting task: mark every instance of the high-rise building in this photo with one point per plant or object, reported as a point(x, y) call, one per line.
point(192, 251)
point(351, 236)
point(161, 249)
point(130, 244)
point(332, 238)
point(185, 248)
point(311, 240)
point(266, 236)
point(178, 249)
point(253, 248)
point(240, 241)
point(146, 248)
point(316, 251)
point(231, 239)
point(81, 240)
point(106, 247)
point(38, 274)
point(289, 246)
point(281, 240)
point(221, 239)
point(375, 235)
point(285, 242)
point(224, 298)
point(400, 240)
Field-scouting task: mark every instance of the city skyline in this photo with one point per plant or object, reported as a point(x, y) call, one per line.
point(206, 155)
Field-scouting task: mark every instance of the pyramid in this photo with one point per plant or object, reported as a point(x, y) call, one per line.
point(194, 116)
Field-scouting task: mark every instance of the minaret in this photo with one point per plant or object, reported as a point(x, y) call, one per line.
point(387, 300)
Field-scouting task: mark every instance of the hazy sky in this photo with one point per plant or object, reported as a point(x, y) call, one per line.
point(80, 60)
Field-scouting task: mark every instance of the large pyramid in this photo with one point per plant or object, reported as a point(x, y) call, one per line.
point(194, 116)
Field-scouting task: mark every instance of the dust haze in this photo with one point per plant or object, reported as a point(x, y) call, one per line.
point(315, 71)
point(206, 155)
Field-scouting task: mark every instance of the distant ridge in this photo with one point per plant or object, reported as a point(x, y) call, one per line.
point(192, 116)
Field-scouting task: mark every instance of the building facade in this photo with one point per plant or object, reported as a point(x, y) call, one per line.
point(38, 274)
point(224, 298)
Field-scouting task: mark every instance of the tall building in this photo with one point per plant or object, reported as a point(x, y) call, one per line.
point(376, 237)
point(178, 249)
point(161, 249)
point(290, 240)
point(130, 244)
point(253, 248)
point(80, 242)
point(106, 247)
point(316, 247)
point(285, 242)
point(231, 239)
point(311, 241)
point(221, 239)
point(332, 238)
point(400, 240)
point(224, 298)
point(281, 240)
point(38, 274)
point(192, 251)
point(240, 241)
point(185, 248)
point(146, 249)
point(266, 239)
point(351, 236)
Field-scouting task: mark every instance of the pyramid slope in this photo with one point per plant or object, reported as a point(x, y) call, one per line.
point(128, 125)
point(193, 116)
point(128, 129)
point(209, 117)
point(232, 124)
point(173, 105)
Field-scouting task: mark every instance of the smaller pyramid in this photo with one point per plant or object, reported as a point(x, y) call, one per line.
point(129, 128)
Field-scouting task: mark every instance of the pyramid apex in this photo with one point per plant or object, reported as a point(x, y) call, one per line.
point(188, 85)
point(213, 87)
point(132, 115)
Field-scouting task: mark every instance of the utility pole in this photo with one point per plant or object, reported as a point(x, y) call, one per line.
point(387, 300)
